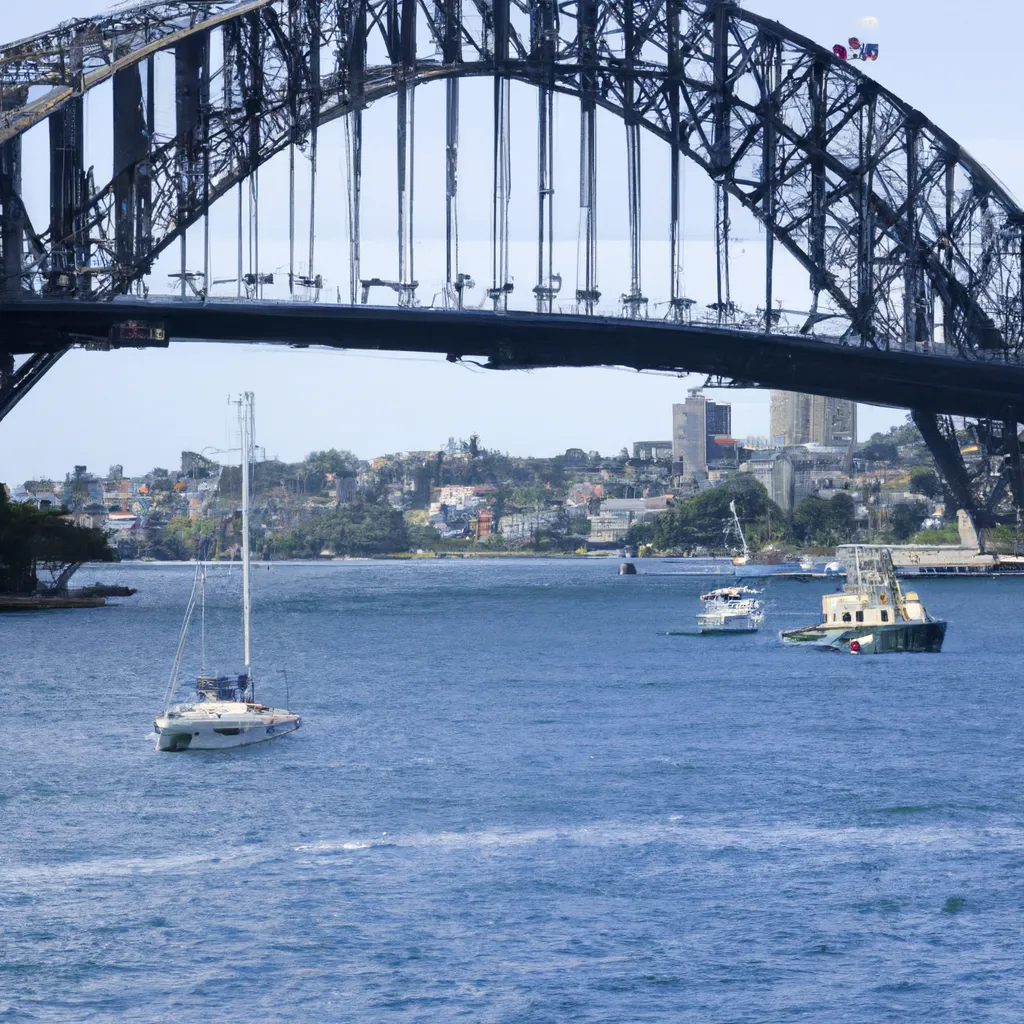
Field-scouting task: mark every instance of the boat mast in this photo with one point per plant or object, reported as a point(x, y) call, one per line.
point(739, 530)
point(245, 422)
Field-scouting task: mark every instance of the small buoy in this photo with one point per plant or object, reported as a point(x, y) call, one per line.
point(627, 569)
point(855, 647)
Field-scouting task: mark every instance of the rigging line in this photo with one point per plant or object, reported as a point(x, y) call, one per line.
point(202, 633)
point(176, 668)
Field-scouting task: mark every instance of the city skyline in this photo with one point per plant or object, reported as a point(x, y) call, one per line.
point(224, 449)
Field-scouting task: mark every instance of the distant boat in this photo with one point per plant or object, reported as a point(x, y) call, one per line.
point(871, 614)
point(735, 525)
point(731, 610)
point(222, 711)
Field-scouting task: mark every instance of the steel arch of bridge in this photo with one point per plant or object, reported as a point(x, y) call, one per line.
point(892, 220)
point(897, 227)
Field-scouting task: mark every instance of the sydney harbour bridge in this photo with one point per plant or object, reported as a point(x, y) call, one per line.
point(912, 253)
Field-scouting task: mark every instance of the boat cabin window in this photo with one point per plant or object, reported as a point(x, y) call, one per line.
point(885, 615)
point(860, 616)
point(846, 616)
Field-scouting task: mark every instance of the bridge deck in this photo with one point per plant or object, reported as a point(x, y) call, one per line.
point(982, 387)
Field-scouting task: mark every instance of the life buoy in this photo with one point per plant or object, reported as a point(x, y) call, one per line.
point(855, 647)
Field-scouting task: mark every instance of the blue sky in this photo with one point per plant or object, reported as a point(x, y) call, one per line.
point(958, 63)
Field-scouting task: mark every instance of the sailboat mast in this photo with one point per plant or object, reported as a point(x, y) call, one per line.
point(739, 530)
point(245, 421)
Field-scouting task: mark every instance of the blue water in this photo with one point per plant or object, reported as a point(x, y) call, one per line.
point(516, 796)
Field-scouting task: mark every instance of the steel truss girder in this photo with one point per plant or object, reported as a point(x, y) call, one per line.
point(894, 224)
point(16, 383)
point(990, 488)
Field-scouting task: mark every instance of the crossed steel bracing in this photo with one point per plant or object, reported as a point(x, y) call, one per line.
point(910, 246)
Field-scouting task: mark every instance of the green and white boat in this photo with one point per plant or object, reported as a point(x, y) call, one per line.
point(871, 614)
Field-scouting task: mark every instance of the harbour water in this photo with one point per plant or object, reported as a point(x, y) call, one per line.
point(522, 792)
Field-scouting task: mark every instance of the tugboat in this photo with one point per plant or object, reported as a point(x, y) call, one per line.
point(871, 614)
point(731, 610)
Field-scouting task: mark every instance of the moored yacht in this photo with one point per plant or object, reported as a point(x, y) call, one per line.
point(730, 610)
point(222, 710)
point(871, 614)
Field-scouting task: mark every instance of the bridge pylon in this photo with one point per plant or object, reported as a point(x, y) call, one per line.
point(980, 465)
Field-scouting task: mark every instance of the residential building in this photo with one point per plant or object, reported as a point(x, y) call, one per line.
point(608, 529)
point(521, 526)
point(457, 496)
point(790, 474)
point(482, 524)
point(617, 515)
point(652, 451)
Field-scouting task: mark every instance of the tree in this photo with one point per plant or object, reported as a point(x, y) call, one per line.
point(702, 521)
point(925, 481)
point(640, 533)
point(37, 487)
point(358, 529)
point(824, 522)
point(905, 518)
point(79, 486)
point(161, 479)
point(34, 539)
point(879, 451)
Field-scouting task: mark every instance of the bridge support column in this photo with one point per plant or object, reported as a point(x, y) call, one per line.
point(449, 14)
point(12, 210)
point(132, 180)
point(772, 74)
point(543, 37)
point(634, 303)
point(353, 40)
point(991, 491)
point(404, 21)
point(67, 194)
point(675, 238)
point(587, 294)
point(354, 184)
point(720, 155)
point(500, 284)
point(16, 383)
point(453, 279)
point(192, 103)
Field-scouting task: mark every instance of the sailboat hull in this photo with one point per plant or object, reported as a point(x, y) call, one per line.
point(214, 726)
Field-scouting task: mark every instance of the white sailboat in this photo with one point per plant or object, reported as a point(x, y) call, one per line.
point(735, 525)
point(222, 711)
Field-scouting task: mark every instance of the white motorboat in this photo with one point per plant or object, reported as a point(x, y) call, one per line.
point(731, 610)
point(222, 711)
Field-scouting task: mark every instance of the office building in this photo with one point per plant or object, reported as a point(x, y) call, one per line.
point(812, 419)
point(701, 435)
